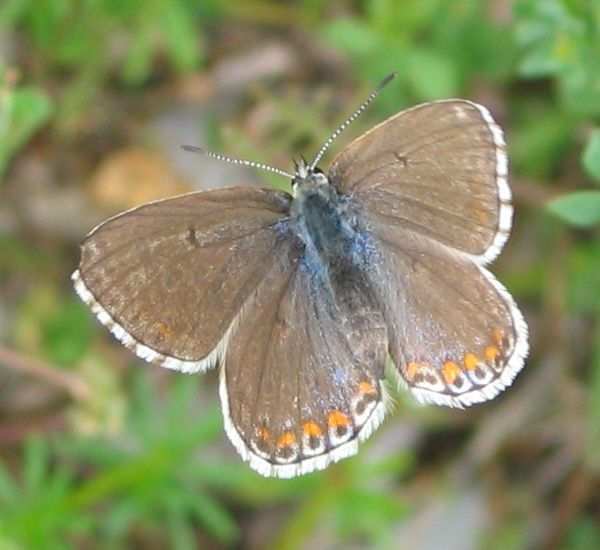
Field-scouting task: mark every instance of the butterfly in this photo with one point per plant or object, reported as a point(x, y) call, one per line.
point(302, 298)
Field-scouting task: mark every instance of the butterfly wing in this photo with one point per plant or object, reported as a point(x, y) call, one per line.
point(439, 169)
point(301, 383)
point(431, 183)
point(456, 335)
point(169, 278)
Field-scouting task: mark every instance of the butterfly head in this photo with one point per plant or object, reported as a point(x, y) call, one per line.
point(306, 177)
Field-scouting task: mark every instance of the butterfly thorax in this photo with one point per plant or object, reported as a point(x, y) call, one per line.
point(326, 222)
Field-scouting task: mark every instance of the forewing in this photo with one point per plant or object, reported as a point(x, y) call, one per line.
point(169, 278)
point(456, 335)
point(302, 378)
point(439, 169)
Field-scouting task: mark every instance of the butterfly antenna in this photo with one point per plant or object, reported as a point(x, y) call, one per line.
point(353, 117)
point(251, 163)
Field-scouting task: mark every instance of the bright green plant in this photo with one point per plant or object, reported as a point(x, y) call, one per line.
point(582, 208)
point(153, 477)
point(89, 42)
point(433, 60)
point(33, 505)
point(23, 110)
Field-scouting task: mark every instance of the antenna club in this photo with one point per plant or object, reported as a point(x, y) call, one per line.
point(304, 165)
point(352, 118)
point(386, 80)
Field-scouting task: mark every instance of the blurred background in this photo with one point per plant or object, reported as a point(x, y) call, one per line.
point(98, 450)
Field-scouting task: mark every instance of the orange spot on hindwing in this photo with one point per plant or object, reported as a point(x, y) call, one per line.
point(287, 447)
point(312, 437)
point(470, 361)
point(339, 427)
point(412, 369)
point(312, 429)
point(366, 387)
point(497, 337)
point(262, 442)
point(491, 352)
point(286, 439)
point(451, 372)
point(481, 214)
point(164, 331)
point(264, 434)
point(337, 419)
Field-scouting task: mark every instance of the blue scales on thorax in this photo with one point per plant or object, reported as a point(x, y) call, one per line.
point(336, 250)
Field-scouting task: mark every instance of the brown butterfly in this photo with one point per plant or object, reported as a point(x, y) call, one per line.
point(301, 298)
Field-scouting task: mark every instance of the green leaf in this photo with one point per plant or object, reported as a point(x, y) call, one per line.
point(355, 38)
point(582, 294)
point(431, 74)
point(538, 142)
point(591, 156)
point(22, 112)
point(583, 533)
point(592, 441)
point(35, 465)
point(579, 89)
point(181, 37)
point(139, 58)
point(213, 516)
point(8, 492)
point(581, 209)
point(67, 333)
point(11, 11)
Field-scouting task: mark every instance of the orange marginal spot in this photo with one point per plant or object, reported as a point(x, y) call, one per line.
point(412, 369)
point(312, 429)
point(451, 371)
point(336, 419)
point(264, 434)
point(481, 214)
point(286, 439)
point(497, 337)
point(470, 361)
point(164, 330)
point(366, 387)
point(491, 352)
